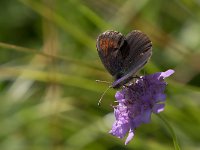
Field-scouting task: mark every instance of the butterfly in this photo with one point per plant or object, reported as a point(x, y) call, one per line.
point(123, 56)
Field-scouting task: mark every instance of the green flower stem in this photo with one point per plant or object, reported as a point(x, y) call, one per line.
point(175, 141)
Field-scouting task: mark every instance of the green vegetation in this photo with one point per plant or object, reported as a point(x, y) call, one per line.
point(49, 64)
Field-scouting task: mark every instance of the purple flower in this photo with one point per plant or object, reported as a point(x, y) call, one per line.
point(136, 103)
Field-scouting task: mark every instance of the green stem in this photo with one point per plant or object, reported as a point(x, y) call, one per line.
point(175, 141)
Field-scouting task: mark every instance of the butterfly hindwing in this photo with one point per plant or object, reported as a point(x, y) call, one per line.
point(139, 44)
point(136, 51)
point(130, 74)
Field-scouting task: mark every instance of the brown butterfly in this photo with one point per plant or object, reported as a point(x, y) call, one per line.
point(123, 55)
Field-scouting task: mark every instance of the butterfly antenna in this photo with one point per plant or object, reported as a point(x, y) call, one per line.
point(99, 103)
point(103, 81)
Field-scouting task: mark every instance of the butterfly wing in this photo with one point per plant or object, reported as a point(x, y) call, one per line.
point(108, 47)
point(136, 51)
point(139, 44)
point(129, 75)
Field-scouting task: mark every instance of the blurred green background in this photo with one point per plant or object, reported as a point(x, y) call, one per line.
point(49, 64)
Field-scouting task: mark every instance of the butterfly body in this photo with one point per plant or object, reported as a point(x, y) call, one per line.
point(123, 55)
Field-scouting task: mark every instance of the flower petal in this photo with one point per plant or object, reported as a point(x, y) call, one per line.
point(119, 129)
point(129, 138)
point(167, 73)
point(146, 116)
point(119, 96)
point(158, 108)
point(160, 97)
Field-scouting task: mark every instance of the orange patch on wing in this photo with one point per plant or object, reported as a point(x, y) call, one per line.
point(104, 44)
point(111, 43)
point(115, 44)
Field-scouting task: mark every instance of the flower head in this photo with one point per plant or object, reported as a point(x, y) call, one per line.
point(137, 101)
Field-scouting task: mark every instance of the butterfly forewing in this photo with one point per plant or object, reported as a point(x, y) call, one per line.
point(108, 47)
